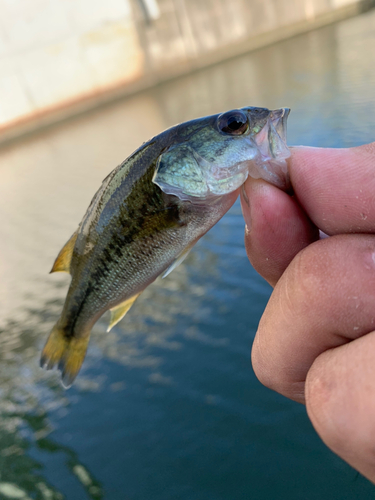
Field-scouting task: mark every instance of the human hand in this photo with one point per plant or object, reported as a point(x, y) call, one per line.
point(316, 339)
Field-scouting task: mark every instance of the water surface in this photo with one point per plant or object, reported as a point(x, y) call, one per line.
point(166, 406)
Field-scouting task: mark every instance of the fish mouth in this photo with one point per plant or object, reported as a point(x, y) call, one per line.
point(270, 162)
point(279, 119)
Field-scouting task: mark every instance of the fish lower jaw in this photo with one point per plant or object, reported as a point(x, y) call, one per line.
point(270, 170)
point(219, 187)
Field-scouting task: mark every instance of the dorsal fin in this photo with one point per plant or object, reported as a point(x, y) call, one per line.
point(62, 262)
point(118, 312)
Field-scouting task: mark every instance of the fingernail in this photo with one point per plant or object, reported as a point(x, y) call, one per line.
point(244, 194)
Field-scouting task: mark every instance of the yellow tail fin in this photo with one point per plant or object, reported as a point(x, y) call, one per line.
point(67, 353)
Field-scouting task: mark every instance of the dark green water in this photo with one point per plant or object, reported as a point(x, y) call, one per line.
point(166, 406)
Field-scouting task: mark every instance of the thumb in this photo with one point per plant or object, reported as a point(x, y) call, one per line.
point(276, 228)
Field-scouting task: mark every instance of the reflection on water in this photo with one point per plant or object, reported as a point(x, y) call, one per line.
point(166, 405)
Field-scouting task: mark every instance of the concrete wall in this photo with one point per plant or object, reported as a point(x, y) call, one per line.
point(61, 57)
point(189, 29)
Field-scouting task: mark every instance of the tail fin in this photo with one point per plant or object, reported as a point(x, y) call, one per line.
point(67, 353)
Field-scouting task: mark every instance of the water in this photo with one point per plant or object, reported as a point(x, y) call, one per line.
point(167, 406)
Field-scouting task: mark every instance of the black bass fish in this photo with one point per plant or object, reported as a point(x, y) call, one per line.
point(151, 210)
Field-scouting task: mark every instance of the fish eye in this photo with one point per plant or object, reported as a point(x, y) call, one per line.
point(233, 122)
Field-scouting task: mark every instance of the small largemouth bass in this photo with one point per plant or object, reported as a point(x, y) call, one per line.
point(151, 210)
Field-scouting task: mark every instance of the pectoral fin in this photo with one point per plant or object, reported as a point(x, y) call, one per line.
point(180, 258)
point(63, 260)
point(118, 312)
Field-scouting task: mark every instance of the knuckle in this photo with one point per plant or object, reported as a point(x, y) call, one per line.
point(291, 298)
point(276, 378)
point(261, 365)
point(340, 402)
point(269, 372)
point(336, 412)
point(321, 394)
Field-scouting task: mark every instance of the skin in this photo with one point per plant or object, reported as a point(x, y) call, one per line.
point(316, 340)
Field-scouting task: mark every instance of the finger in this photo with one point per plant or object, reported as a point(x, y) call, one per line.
point(276, 228)
point(324, 299)
point(336, 187)
point(340, 400)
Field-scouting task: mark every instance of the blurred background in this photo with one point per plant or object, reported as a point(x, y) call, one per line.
point(166, 405)
point(61, 57)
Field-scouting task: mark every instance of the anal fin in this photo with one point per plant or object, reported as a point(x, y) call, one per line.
point(118, 312)
point(63, 260)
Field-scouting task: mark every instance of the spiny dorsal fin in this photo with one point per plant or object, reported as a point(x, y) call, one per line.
point(62, 262)
point(118, 312)
point(180, 258)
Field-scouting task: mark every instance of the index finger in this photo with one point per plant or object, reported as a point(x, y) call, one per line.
point(336, 187)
